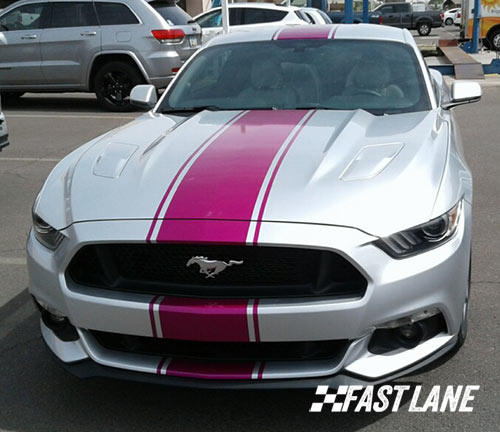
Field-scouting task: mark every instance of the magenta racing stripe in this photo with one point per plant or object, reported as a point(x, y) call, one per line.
point(171, 185)
point(204, 320)
point(334, 30)
point(275, 34)
point(215, 200)
point(191, 368)
point(160, 365)
point(256, 321)
point(305, 32)
point(275, 172)
point(261, 370)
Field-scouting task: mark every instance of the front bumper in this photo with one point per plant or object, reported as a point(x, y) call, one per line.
point(396, 289)
point(88, 368)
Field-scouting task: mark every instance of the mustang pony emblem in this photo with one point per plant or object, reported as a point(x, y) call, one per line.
point(211, 267)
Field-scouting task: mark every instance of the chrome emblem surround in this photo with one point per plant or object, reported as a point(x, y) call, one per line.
point(211, 267)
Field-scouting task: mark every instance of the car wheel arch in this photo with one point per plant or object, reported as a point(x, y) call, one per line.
point(492, 32)
point(102, 58)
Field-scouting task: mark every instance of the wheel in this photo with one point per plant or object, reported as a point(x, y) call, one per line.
point(448, 21)
point(494, 40)
point(113, 83)
point(424, 28)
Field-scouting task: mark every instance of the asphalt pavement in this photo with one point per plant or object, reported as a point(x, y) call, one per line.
point(37, 395)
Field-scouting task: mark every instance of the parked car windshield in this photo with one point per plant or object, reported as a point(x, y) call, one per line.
point(379, 77)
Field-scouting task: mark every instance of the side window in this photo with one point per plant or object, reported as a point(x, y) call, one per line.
point(211, 19)
point(401, 8)
point(74, 14)
point(171, 13)
point(114, 14)
point(303, 16)
point(26, 17)
point(236, 16)
point(386, 9)
point(310, 17)
point(258, 16)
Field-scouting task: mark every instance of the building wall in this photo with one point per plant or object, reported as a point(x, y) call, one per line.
point(195, 7)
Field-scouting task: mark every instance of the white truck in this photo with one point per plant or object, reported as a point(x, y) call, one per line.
point(489, 22)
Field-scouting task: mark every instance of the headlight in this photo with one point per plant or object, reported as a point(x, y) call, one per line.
point(46, 234)
point(422, 237)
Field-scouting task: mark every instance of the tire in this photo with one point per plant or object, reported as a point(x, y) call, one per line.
point(448, 21)
point(424, 28)
point(113, 83)
point(494, 40)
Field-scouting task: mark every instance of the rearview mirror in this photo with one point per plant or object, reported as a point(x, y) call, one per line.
point(144, 96)
point(463, 92)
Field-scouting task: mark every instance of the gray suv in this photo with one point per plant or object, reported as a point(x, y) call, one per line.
point(101, 46)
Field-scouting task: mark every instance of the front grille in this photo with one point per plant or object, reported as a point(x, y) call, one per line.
point(231, 351)
point(266, 271)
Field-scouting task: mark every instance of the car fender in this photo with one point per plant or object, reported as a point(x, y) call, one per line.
point(130, 54)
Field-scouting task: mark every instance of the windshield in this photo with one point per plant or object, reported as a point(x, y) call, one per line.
point(379, 77)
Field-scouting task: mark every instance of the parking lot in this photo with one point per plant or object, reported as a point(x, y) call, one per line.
point(37, 395)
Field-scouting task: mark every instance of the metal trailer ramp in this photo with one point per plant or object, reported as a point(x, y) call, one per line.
point(465, 66)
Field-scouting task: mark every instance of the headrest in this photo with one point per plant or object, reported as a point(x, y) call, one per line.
point(266, 74)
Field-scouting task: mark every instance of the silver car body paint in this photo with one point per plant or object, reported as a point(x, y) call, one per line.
point(324, 197)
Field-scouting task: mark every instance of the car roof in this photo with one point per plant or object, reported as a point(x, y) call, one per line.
point(341, 31)
point(259, 6)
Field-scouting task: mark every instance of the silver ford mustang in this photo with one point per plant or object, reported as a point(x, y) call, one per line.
point(294, 211)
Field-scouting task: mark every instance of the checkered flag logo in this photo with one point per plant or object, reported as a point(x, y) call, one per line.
point(328, 398)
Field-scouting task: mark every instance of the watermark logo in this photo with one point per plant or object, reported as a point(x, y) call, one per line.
point(388, 397)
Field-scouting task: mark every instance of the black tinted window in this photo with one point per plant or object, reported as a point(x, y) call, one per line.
point(303, 16)
point(402, 8)
point(26, 17)
point(74, 14)
point(257, 16)
point(214, 19)
point(309, 16)
point(172, 14)
point(115, 14)
point(236, 16)
point(211, 19)
point(386, 9)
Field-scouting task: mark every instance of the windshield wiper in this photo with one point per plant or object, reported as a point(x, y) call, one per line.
point(190, 110)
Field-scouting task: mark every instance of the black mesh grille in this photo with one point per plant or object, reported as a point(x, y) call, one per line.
point(265, 272)
point(278, 351)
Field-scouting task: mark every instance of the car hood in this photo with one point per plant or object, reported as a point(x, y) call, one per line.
point(379, 174)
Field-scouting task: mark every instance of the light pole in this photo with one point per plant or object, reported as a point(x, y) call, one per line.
point(225, 16)
point(365, 11)
point(475, 27)
point(348, 11)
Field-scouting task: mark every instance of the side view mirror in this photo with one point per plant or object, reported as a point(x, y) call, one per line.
point(144, 96)
point(463, 92)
